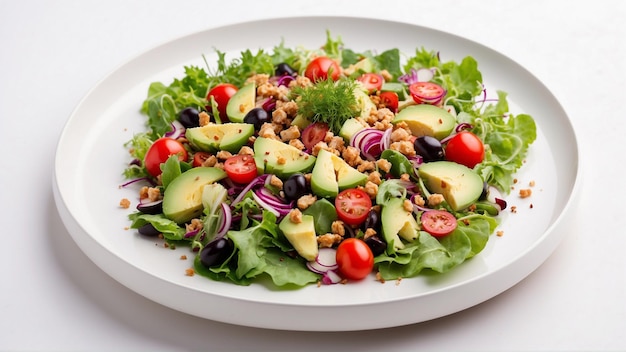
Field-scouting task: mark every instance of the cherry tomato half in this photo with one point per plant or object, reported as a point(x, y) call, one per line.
point(353, 206)
point(371, 81)
point(160, 151)
point(313, 134)
point(222, 94)
point(355, 259)
point(438, 223)
point(240, 168)
point(320, 69)
point(199, 158)
point(390, 100)
point(427, 93)
point(465, 148)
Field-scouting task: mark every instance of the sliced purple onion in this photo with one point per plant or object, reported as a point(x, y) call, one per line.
point(495, 196)
point(368, 141)
point(150, 207)
point(137, 180)
point(226, 219)
point(269, 104)
point(259, 180)
point(425, 74)
point(316, 268)
point(271, 202)
point(327, 258)
point(331, 277)
point(192, 233)
point(463, 126)
point(284, 80)
point(177, 131)
point(386, 141)
point(420, 75)
point(265, 205)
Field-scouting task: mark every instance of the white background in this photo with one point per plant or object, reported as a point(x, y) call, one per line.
point(52, 297)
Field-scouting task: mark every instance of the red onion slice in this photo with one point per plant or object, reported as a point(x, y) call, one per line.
point(226, 219)
point(424, 74)
point(331, 277)
point(327, 257)
point(178, 130)
point(386, 139)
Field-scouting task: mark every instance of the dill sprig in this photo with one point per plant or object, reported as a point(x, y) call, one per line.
point(328, 101)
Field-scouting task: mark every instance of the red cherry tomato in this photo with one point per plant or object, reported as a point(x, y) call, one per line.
point(438, 223)
point(355, 259)
point(427, 93)
point(240, 168)
point(313, 134)
point(371, 81)
point(465, 148)
point(222, 94)
point(352, 206)
point(390, 100)
point(199, 158)
point(320, 69)
point(160, 151)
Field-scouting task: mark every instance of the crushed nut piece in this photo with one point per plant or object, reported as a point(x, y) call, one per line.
point(525, 193)
point(125, 203)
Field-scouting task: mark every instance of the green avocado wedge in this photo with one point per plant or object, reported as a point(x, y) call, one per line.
point(182, 199)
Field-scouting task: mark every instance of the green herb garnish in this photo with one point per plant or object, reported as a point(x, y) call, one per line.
point(329, 102)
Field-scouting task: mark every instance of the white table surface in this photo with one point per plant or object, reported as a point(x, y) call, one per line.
point(52, 297)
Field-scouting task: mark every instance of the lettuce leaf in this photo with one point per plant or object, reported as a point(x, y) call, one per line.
point(259, 252)
point(427, 252)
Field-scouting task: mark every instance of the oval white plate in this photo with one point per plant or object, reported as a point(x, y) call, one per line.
point(90, 158)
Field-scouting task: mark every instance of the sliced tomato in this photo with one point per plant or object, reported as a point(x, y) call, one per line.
point(241, 168)
point(353, 206)
point(438, 223)
point(355, 259)
point(465, 148)
point(427, 93)
point(199, 158)
point(322, 68)
point(371, 81)
point(314, 133)
point(390, 100)
point(160, 151)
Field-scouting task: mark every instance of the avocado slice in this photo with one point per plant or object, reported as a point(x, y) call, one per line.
point(281, 159)
point(300, 121)
point(398, 222)
point(214, 137)
point(182, 199)
point(332, 174)
point(427, 120)
point(349, 128)
point(363, 101)
point(301, 236)
point(459, 185)
point(241, 103)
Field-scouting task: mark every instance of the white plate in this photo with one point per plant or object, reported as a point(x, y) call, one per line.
point(90, 159)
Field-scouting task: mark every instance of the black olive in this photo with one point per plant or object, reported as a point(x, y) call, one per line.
point(189, 118)
point(429, 148)
point(216, 252)
point(295, 187)
point(372, 221)
point(377, 245)
point(148, 230)
point(256, 117)
point(283, 69)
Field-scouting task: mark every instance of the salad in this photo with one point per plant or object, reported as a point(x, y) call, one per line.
point(320, 166)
